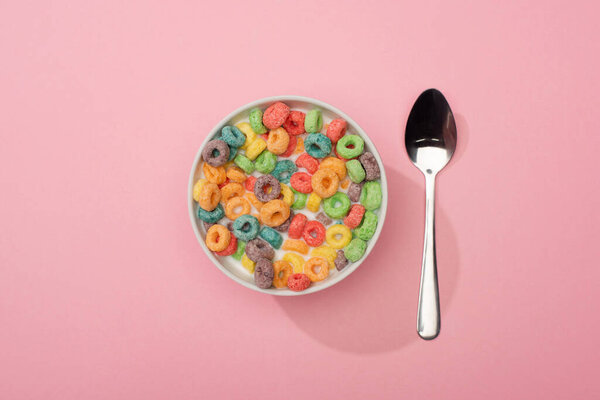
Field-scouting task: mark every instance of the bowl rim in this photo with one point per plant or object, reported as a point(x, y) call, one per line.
point(382, 213)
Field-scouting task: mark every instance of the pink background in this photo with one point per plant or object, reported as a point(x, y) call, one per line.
point(106, 294)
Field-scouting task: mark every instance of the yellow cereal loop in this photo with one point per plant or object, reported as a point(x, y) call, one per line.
point(299, 146)
point(338, 236)
point(325, 252)
point(197, 188)
point(314, 202)
point(246, 130)
point(255, 148)
point(288, 195)
point(296, 260)
point(248, 263)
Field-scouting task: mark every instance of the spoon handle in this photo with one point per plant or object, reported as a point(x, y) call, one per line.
point(428, 316)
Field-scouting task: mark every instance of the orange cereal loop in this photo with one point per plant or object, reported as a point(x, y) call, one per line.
point(316, 268)
point(299, 146)
point(254, 201)
point(283, 270)
point(295, 245)
point(230, 190)
point(235, 174)
point(325, 182)
point(335, 164)
point(214, 174)
point(274, 213)
point(210, 195)
point(278, 141)
point(217, 238)
point(236, 206)
point(345, 183)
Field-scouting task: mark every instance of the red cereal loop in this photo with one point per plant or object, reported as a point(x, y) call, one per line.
point(229, 250)
point(340, 157)
point(297, 226)
point(291, 147)
point(300, 181)
point(336, 129)
point(250, 181)
point(298, 282)
point(355, 216)
point(314, 233)
point(275, 115)
point(307, 162)
point(294, 123)
point(224, 183)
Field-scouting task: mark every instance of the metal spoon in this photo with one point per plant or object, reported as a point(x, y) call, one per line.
point(430, 141)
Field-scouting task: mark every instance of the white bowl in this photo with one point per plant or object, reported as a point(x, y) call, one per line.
point(231, 267)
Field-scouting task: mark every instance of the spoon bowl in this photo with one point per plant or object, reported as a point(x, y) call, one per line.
point(430, 132)
point(430, 141)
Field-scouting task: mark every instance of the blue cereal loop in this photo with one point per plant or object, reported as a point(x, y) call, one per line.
point(284, 170)
point(317, 145)
point(271, 236)
point(211, 216)
point(233, 136)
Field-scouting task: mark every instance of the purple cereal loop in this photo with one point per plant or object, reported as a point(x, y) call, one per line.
point(258, 248)
point(230, 226)
point(324, 219)
point(265, 181)
point(354, 191)
point(264, 273)
point(206, 225)
point(286, 225)
point(370, 165)
point(218, 146)
point(340, 261)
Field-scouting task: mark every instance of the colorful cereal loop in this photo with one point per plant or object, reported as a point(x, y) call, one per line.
point(250, 134)
point(295, 245)
point(296, 260)
point(283, 270)
point(217, 238)
point(316, 268)
point(313, 203)
point(255, 117)
point(338, 236)
point(214, 174)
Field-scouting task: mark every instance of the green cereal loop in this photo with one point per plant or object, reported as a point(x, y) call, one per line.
point(356, 172)
point(270, 235)
point(337, 206)
point(211, 216)
point(241, 247)
point(370, 197)
point(355, 250)
point(366, 230)
point(299, 200)
point(346, 152)
point(244, 163)
point(256, 124)
point(314, 121)
point(265, 162)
